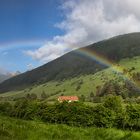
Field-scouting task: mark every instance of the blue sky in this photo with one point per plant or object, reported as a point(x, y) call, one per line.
point(34, 32)
point(24, 21)
point(28, 19)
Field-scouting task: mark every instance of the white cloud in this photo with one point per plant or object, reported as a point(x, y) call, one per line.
point(48, 52)
point(88, 21)
point(30, 66)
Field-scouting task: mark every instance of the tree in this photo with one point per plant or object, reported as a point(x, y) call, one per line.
point(133, 114)
point(98, 90)
point(31, 96)
point(82, 98)
point(91, 95)
point(43, 95)
point(113, 103)
point(103, 117)
point(28, 96)
point(111, 88)
point(78, 87)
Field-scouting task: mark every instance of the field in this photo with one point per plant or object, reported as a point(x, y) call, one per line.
point(16, 129)
point(82, 85)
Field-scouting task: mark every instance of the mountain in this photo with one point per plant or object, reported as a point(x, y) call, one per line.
point(74, 64)
point(8, 75)
point(4, 77)
point(15, 73)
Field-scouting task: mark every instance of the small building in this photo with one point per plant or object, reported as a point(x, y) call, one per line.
point(68, 98)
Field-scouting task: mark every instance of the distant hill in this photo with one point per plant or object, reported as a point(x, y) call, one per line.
point(75, 64)
point(4, 77)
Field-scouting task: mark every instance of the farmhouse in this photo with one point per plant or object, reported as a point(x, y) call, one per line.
point(68, 98)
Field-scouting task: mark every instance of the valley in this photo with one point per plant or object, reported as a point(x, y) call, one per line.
point(104, 77)
point(69, 70)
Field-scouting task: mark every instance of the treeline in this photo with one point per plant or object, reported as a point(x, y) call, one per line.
point(111, 113)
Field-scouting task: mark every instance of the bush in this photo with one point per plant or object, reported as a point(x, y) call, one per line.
point(113, 103)
point(69, 113)
point(20, 108)
point(110, 113)
point(133, 116)
point(5, 108)
point(26, 109)
point(103, 117)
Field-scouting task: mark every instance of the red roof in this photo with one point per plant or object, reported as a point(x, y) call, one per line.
point(68, 98)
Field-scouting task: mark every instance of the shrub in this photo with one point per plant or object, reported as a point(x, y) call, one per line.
point(43, 95)
point(69, 113)
point(133, 116)
point(20, 108)
point(113, 103)
point(110, 113)
point(5, 108)
point(103, 117)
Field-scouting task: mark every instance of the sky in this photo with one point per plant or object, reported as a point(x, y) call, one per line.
point(34, 32)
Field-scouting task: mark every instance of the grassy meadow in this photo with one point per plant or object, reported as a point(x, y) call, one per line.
point(16, 129)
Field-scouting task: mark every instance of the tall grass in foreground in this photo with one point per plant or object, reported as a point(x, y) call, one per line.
point(16, 129)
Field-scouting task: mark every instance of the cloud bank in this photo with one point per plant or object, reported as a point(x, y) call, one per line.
point(88, 21)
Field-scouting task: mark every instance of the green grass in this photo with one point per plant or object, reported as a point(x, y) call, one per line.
point(15, 129)
point(68, 87)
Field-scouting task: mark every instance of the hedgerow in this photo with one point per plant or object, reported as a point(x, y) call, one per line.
point(111, 113)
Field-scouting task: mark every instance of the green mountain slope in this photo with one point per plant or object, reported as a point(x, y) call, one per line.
point(74, 64)
point(82, 85)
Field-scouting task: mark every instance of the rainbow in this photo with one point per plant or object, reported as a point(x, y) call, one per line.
point(106, 62)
